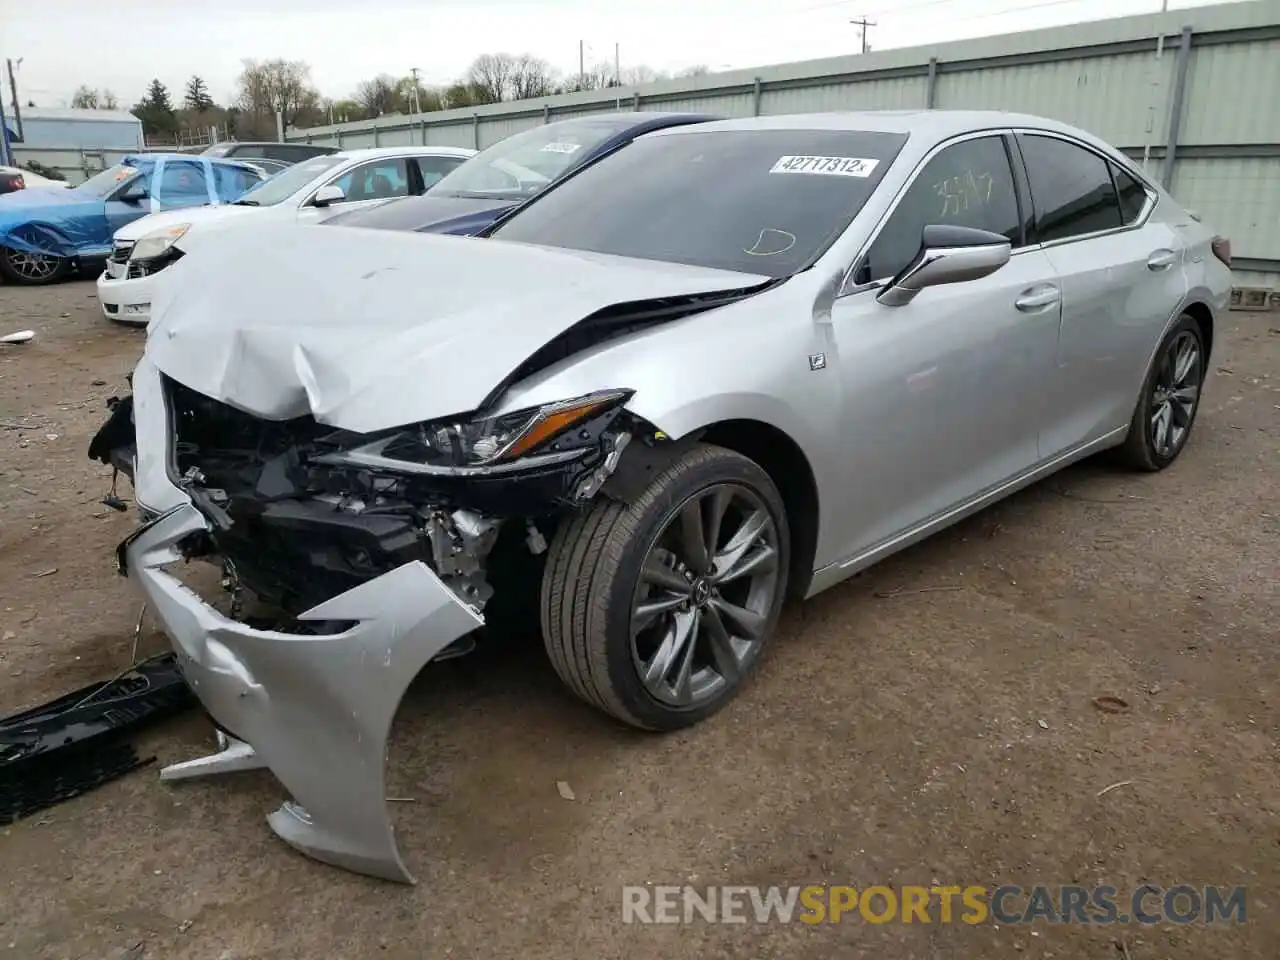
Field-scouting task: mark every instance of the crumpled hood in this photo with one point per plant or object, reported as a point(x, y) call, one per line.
point(193, 215)
point(368, 329)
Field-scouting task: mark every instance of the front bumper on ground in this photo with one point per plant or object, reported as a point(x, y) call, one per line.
point(123, 298)
point(315, 709)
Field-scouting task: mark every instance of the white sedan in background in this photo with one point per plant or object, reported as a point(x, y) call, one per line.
point(307, 192)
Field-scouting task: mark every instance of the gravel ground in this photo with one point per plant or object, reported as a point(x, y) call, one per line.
point(928, 722)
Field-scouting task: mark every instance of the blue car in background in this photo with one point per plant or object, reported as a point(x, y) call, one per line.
point(46, 233)
point(510, 172)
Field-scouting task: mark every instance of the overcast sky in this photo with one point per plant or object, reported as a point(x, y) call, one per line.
point(121, 46)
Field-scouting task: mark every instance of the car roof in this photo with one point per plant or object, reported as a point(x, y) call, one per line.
point(428, 151)
point(134, 159)
point(932, 125)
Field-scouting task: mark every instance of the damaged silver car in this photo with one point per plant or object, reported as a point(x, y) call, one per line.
point(727, 364)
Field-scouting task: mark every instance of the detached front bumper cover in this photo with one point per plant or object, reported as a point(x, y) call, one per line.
point(316, 709)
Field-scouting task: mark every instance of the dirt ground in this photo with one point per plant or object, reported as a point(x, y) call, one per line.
point(929, 722)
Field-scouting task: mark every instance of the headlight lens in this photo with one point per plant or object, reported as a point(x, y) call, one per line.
point(158, 242)
point(524, 438)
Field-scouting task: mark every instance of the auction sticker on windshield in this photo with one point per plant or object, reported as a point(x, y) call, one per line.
point(562, 148)
point(826, 166)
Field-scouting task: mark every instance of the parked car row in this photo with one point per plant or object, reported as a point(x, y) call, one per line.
point(654, 395)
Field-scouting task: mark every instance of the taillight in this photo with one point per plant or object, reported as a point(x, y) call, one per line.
point(19, 183)
point(1222, 249)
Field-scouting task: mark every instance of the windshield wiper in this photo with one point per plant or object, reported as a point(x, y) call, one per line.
point(246, 203)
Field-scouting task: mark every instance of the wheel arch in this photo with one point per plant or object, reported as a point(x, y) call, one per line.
point(1201, 313)
point(769, 446)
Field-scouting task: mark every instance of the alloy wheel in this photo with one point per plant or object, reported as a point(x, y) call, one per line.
point(702, 605)
point(32, 266)
point(1175, 394)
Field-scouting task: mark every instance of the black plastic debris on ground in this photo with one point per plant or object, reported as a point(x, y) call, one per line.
point(67, 747)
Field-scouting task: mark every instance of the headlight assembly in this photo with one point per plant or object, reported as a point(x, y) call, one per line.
point(539, 436)
point(158, 242)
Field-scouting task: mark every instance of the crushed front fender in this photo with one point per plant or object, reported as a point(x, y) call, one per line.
point(316, 708)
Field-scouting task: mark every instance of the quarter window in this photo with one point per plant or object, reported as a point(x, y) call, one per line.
point(434, 169)
point(1133, 195)
point(1071, 188)
point(969, 184)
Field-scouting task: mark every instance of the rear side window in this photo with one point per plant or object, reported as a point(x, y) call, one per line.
point(969, 184)
point(1133, 195)
point(183, 182)
point(1071, 188)
point(233, 181)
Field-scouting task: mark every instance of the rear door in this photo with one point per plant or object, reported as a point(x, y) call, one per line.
point(1122, 277)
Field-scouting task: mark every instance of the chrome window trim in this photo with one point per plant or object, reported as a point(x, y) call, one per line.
point(1141, 179)
point(846, 289)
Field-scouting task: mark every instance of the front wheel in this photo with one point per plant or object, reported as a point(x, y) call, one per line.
point(656, 611)
point(32, 269)
point(1169, 401)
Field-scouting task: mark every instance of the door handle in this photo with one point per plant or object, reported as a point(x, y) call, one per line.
point(1161, 260)
point(1037, 298)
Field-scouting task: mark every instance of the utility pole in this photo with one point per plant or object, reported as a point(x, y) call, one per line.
point(862, 23)
point(617, 74)
point(417, 101)
point(13, 90)
point(582, 64)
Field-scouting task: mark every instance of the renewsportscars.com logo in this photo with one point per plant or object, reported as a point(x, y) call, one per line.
point(1007, 904)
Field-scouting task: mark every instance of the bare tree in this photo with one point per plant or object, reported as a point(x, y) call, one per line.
point(378, 96)
point(490, 77)
point(108, 100)
point(697, 70)
point(265, 87)
point(641, 74)
point(85, 98)
point(531, 77)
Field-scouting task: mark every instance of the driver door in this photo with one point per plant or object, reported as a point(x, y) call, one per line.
point(943, 394)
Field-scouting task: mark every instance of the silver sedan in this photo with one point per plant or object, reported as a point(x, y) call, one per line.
point(727, 364)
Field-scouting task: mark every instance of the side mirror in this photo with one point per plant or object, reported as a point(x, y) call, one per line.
point(134, 195)
point(947, 255)
point(329, 193)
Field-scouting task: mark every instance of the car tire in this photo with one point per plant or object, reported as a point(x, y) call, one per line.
point(1169, 401)
point(612, 609)
point(12, 270)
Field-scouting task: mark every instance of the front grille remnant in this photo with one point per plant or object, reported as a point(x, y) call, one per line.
point(120, 251)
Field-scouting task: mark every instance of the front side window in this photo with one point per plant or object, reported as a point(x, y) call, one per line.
point(377, 180)
point(183, 183)
point(767, 202)
point(521, 165)
point(1071, 188)
point(110, 182)
point(969, 184)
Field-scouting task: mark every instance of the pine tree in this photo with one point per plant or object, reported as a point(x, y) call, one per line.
point(197, 97)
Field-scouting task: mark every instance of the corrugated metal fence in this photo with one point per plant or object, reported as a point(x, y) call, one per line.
point(1203, 109)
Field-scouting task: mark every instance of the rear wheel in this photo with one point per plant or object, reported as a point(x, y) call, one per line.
point(1169, 401)
point(32, 269)
point(657, 611)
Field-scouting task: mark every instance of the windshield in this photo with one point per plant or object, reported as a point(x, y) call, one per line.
point(521, 165)
point(101, 184)
point(287, 182)
point(767, 202)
